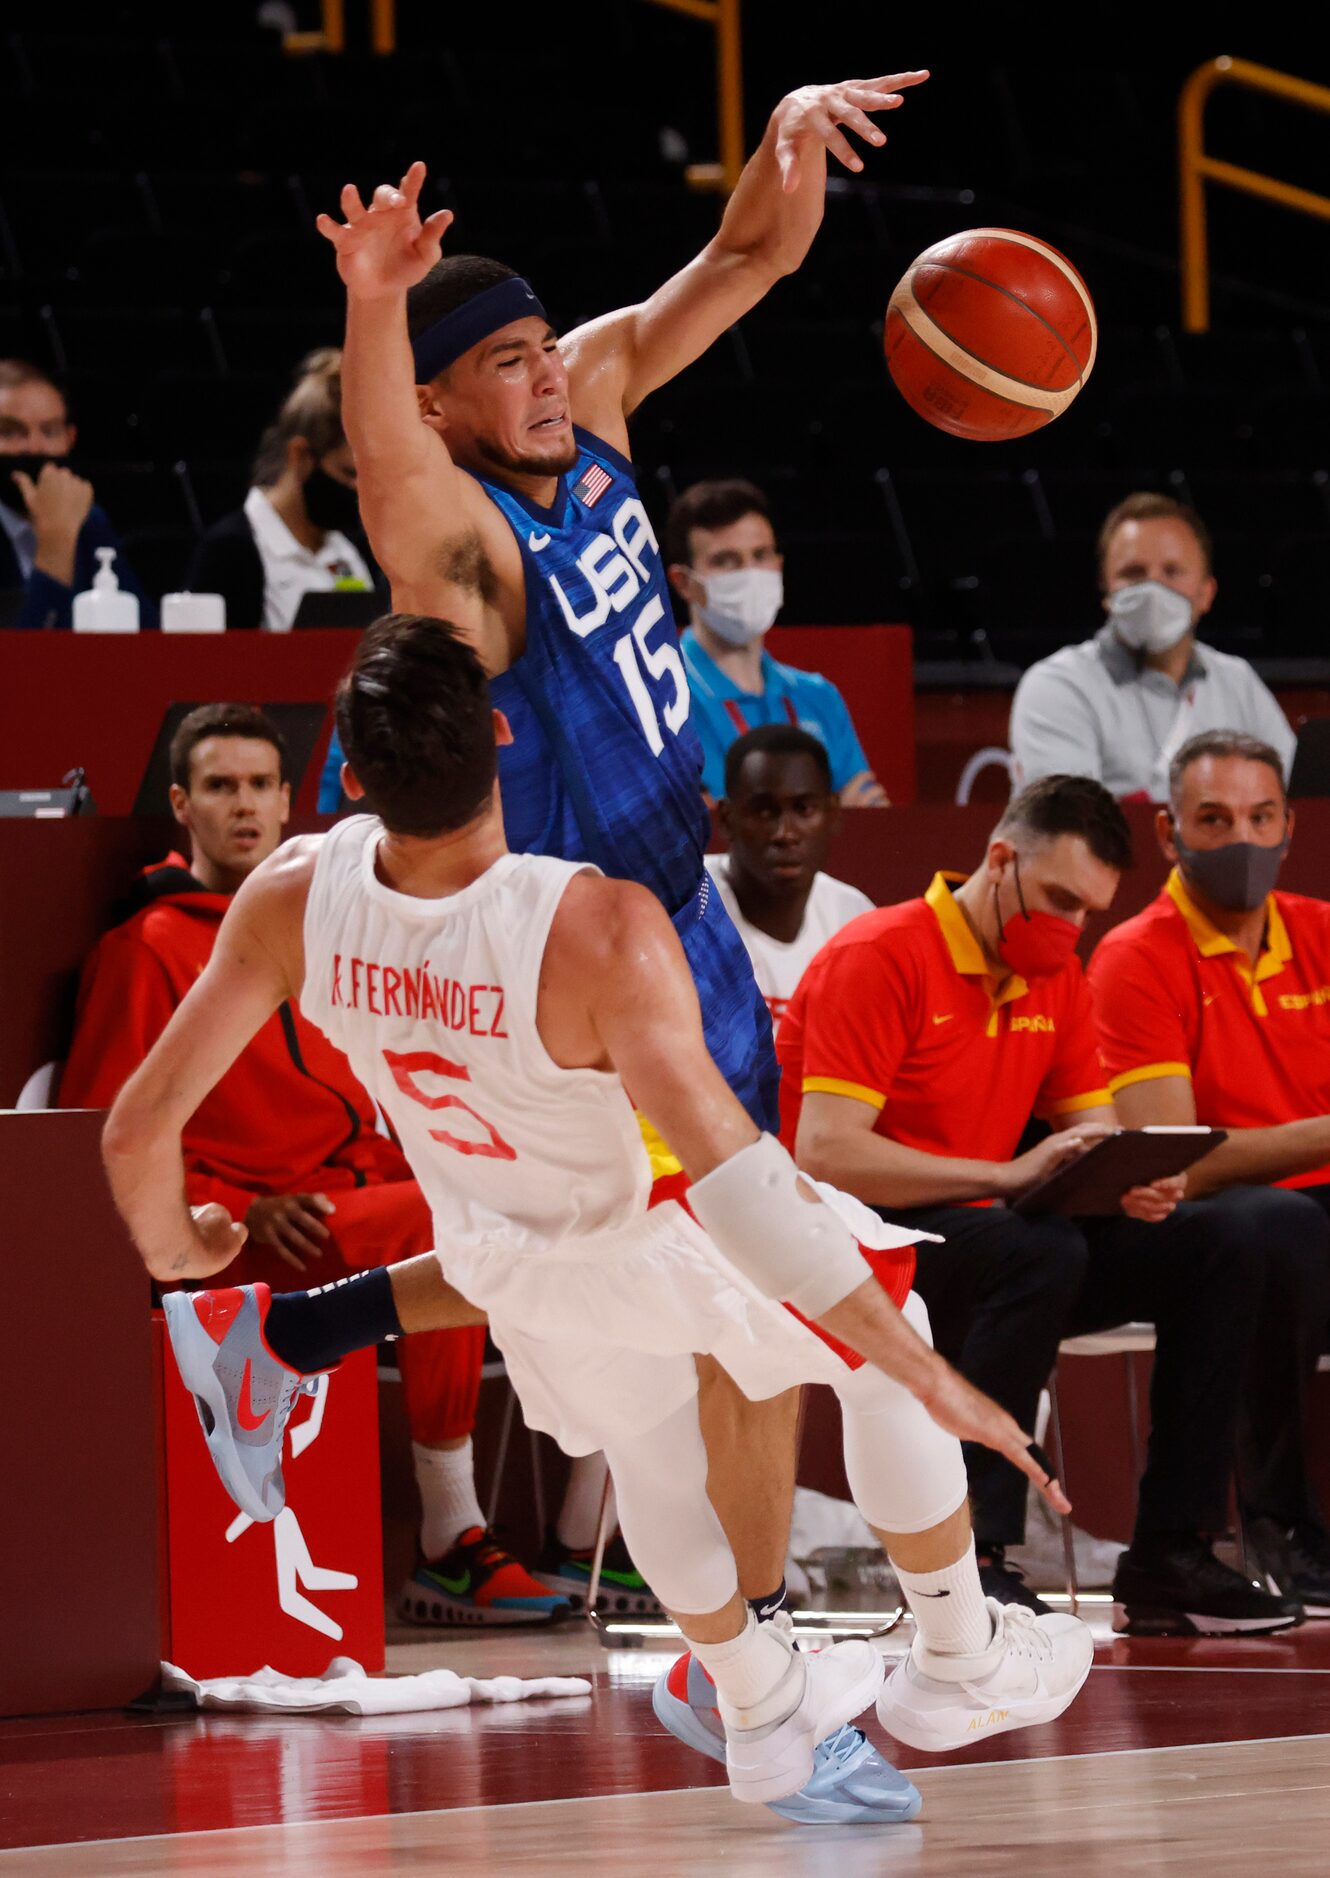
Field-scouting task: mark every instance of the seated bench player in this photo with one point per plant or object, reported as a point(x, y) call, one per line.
point(527, 1145)
point(287, 1141)
point(917, 1046)
point(1213, 1006)
point(779, 814)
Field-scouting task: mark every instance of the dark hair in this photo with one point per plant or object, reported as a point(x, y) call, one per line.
point(1147, 505)
point(1222, 743)
point(222, 720)
point(312, 409)
point(413, 714)
point(450, 283)
point(1071, 805)
point(709, 505)
point(774, 740)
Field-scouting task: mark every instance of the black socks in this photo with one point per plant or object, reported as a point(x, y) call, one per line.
point(312, 1330)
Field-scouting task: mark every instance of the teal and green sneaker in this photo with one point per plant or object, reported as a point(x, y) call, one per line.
point(623, 1590)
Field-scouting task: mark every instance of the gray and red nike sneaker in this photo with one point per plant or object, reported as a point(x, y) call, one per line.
point(243, 1393)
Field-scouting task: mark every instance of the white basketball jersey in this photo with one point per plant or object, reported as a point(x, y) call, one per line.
point(434, 1003)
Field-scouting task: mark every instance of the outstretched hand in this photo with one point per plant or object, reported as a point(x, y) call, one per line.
point(384, 249)
point(969, 1414)
point(813, 115)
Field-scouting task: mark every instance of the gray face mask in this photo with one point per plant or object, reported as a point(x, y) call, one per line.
point(1148, 616)
point(1237, 877)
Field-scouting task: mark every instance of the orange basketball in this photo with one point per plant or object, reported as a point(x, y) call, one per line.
point(990, 334)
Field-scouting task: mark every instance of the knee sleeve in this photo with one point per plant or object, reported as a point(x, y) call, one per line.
point(905, 1473)
point(668, 1523)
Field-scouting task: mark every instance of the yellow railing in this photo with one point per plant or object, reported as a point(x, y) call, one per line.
point(1196, 169)
point(331, 36)
point(723, 17)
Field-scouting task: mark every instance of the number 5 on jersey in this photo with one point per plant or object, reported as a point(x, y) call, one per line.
point(405, 1068)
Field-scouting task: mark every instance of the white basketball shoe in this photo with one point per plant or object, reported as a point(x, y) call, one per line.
point(1033, 1669)
point(827, 1689)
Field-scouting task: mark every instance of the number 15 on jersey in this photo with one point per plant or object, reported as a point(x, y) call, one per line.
point(632, 653)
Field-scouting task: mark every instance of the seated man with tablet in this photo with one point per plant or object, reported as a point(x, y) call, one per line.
point(920, 1042)
point(1214, 1007)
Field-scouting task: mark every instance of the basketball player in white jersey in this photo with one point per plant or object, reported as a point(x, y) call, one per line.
point(496, 1004)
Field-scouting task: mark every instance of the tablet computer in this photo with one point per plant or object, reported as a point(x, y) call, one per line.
point(1094, 1183)
point(340, 608)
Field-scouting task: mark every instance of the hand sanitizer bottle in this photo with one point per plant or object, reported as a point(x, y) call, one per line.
point(104, 608)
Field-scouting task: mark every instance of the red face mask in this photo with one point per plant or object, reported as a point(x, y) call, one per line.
point(1035, 945)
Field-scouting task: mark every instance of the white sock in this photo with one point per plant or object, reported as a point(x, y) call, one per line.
point(448, 1504)
point(758, 1675)
point(948, 1607)
point(579, 1516)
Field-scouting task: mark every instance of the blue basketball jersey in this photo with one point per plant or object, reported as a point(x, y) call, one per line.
point(605, 764)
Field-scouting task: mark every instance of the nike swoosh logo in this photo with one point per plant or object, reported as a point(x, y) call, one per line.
point(458, 1586)
point(932, 1594)
point(245, 1406)
point(536, 542)
point(945, 1018)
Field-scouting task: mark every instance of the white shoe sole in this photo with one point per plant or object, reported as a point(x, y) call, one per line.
point(943, 1731)
point(194, 1351)
point(781, 1771)
point(1148, 1620)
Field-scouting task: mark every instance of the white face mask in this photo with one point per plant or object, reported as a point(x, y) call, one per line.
point(743, 604)
point(1148, 616)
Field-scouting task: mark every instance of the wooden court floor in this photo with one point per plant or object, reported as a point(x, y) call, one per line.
point(1180, 1758)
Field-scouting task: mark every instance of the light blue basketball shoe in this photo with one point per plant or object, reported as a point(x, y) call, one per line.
point(851, 1783)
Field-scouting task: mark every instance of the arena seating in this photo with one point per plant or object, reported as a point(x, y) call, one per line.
point(986, 552)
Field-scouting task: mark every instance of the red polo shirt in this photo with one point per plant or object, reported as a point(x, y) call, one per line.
point(1174, 997)
point(901, 1010)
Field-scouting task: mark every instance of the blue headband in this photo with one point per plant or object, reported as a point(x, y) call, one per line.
point(447, 339)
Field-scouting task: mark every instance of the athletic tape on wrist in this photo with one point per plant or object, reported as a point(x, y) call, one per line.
point(789, 1245)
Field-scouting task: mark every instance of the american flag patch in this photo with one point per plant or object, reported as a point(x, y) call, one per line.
point(592, 486)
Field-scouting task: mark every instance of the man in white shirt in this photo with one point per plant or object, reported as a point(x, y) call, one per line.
point(779, 814)
point(292, 567)
point(1119, 706)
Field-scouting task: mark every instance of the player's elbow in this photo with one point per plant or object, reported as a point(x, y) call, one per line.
point(122, 1135)
point(133, 1128)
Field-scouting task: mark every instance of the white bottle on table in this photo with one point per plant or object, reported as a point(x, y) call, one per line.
point(105, 607)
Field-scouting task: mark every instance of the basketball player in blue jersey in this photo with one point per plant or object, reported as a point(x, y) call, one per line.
point(497, 490)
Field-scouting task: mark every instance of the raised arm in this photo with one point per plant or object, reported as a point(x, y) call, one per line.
point(630, 1004)
point(255, 966)
point(768, 227)
point(424, 517)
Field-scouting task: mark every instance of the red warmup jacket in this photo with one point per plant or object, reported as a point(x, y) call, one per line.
point(288, 1116)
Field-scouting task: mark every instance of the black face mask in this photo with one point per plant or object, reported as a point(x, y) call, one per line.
point(329, 504)
point(31, 463)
